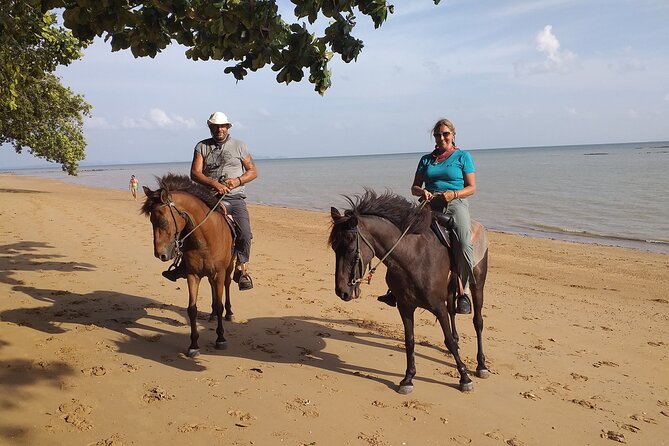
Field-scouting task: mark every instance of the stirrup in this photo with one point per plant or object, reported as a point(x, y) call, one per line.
point(245, 282)
point(463, 304)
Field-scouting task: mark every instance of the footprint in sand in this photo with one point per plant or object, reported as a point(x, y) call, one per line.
point(584, 403)
point(530, 396)
point(461, 439)
point(74, 413)
point(156, 393)
point(606, 363)
point(578, 377)
point(304, 406)
point(613, 435)
point(130, 368)
point(97, 370)
point(244, 418)
point(629, 427)
point(644, 418)
point(187, 428)
point(114, 440)
point(416, 405)
point(374, 439)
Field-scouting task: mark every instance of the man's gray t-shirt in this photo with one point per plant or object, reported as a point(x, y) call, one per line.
point(224, 160)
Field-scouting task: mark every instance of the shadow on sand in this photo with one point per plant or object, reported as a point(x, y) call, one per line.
point(288, 339)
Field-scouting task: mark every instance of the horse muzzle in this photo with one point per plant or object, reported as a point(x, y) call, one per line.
point(168, 252)
point(352, 292)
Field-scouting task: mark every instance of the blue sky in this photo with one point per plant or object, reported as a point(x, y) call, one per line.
point(507, 73)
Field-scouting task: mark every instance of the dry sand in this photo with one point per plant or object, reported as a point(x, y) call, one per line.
point(92, 341)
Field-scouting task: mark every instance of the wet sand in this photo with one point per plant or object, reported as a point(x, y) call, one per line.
point(92, 340)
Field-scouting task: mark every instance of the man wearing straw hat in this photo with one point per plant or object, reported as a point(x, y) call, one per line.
point(225, 165)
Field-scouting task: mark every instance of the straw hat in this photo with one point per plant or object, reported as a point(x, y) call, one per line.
point(218, 118)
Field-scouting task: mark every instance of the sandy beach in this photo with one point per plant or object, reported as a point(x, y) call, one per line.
point(92, 341)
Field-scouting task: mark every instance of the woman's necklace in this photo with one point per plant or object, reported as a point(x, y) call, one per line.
point(438, 157)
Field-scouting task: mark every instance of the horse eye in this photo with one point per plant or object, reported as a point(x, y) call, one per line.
point(158, 222)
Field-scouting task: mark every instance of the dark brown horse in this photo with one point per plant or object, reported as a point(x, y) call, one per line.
point(185, 225)
point(418, 269)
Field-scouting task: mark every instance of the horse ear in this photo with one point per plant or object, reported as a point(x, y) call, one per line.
point(165, 196)
point(334, 212)
point(147, 191)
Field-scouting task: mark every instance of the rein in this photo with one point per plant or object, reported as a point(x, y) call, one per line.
point(179, 242)
point(358, 254)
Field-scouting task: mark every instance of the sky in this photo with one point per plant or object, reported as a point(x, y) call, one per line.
point(507, 73)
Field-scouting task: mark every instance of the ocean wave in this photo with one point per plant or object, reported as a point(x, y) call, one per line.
point(594, 235)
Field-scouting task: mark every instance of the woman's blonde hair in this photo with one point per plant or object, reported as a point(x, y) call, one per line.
point(443, 121)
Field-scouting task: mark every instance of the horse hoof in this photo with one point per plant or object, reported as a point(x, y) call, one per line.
point(229, 318)
point(466, 387)
point(405, 390)
point(193, 352)
point(221, 345)
point(483, 373)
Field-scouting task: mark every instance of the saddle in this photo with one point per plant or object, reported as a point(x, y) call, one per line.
point(224, 208)
point(442, 226)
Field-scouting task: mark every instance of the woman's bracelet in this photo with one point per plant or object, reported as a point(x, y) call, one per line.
point(241, 183)
point(456, 194)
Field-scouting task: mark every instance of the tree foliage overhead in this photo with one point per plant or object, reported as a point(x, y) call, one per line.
point(251, 33)
point(36, 111)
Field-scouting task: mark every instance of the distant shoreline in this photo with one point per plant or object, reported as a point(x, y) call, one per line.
point(42, 166)
point(585, 239)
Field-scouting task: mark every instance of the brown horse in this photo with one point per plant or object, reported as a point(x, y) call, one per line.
point(418, 269)
point(185, 225)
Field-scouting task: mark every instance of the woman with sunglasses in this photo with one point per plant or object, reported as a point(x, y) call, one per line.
point(445, 178)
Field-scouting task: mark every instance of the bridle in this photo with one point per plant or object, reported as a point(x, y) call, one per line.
point(357, 260)
point(179, 242)
point(358, 264)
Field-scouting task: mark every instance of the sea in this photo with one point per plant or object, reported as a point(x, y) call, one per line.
point(606, 194)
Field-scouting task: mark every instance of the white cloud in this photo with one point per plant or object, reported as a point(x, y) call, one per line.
point(160, 118)
point(156, 118)
point(98, 123)
point(557, 60)
point(548, 43)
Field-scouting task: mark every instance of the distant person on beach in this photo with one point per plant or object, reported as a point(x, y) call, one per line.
point(134, 185)
point(225, 165)
point(449, 177)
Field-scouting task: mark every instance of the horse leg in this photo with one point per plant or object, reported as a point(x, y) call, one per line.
point(450, 303)
point(454, 331)
point(228, 305)
point(450, 307)
point(193, 285)
point(217, 303)
point(465, 381)
point(477, 296)
point(407, 315)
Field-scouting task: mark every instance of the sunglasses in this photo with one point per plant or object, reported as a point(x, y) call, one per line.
point(442, 134)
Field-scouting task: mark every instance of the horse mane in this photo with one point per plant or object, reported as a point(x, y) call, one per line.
point(390, 206)
point(172, 182)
